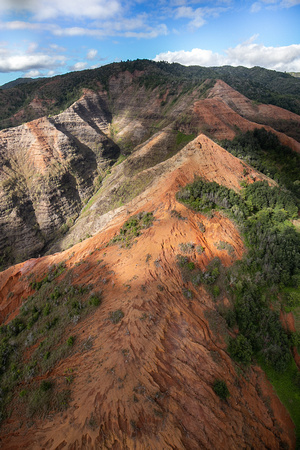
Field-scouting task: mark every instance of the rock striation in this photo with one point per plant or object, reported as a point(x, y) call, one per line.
point(52, 166)
point(49, 167)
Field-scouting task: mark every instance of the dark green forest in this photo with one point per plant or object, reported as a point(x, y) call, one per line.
point(267, 279)
point(264, 282)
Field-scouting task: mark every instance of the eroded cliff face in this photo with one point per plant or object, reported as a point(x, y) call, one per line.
point(274, 116)
point(50, 167)
point(147, 380)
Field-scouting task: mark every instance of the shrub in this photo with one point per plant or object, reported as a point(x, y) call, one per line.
point(221, 389)
point(215, 291)
point(187, 293)
point(187, 247)
point(95, 299)
point(241, 349)
point(23, 393)
point(70, 341)
point(116, 316)
point(46, 310)
point(46, 385)
point(132, 228)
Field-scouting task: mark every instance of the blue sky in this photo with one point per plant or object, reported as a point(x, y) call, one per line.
point(50, 37)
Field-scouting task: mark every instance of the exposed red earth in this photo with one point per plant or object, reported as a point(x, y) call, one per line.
point(146, 382)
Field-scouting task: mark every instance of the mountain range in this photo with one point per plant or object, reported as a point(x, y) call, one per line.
point(149, 233)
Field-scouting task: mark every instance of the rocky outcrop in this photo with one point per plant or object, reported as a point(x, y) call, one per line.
point(47, 171)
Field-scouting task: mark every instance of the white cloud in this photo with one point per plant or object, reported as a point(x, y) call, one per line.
point(148, 34)
point(18, 5)
point(33, 73)
point(57, 48)
point(197, 56)
point(72, 31)
point(184, 11)
point(255, 7)
point(107, 24)
point(13, 59)
point(198, 16)
point(23, 62)
point(79, 66)
point(51, 9)
point(273, 4)
point(124, 24)
point(247, 54)
point(20, 25)
point(115, 29)
point(289, 3)
point(278, 58)
point(91, 54)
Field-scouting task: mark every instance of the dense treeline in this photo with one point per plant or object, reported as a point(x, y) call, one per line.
point(262, 150)
point(271, 263)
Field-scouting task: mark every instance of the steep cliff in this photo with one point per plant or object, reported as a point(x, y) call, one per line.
point(49, 167)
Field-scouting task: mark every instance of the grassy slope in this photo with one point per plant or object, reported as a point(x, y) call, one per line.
point(285, 389)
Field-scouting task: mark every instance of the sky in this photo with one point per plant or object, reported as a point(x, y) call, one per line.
point(49, 37)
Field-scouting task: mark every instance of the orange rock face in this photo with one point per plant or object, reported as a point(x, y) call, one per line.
point(146, 382)
point(226, 112)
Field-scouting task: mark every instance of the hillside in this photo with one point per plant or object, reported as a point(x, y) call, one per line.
point(51, 95)
point(146, 379)
point(64, 159)
point(149, 293)
point(14, 83)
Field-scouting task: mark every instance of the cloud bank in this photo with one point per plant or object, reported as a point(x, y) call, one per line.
point(31, 59)
point(248, 54)
point(52, 9)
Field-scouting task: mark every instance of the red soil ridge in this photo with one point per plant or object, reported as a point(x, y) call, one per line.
point(146, 383)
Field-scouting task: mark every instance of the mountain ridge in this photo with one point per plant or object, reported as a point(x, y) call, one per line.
point(88, 138)
point(51, 95)
point(161, 266)
point(163, 332)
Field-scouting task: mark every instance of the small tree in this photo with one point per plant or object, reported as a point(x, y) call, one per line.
point(221, 389)
point(241, 349)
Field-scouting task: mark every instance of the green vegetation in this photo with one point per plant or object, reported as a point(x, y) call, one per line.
point(287, 387)
point(116, 316)
point(191, 272)
point(268, 274)
point(41, 325)
point(273, 259)
point(70, 341)
point(258, 84)
point(186, 247)
point(221, 389)
point(183, 139)
point(262, 150)
point(133, 228)
point(240, 349)
point(95, 299)
point(43, 399)
point(222, 245)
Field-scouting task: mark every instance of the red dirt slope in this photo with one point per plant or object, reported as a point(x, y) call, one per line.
point(226, 112)
point(146, 382)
